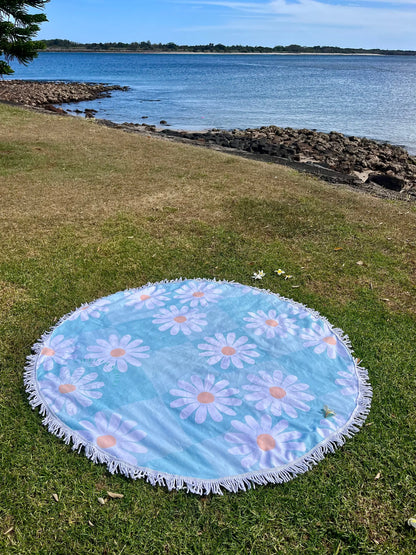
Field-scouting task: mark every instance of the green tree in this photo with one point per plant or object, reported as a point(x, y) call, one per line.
point(17, 28)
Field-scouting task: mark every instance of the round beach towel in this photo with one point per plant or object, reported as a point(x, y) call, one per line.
point(199, 384)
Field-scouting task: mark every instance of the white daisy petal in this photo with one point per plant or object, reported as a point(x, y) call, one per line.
point(201, 414)
point(215, 413)
point(186, 386)
point(250, 460)
point(122, 365)
point(126, 426)
point(232, 437)
point(221, 407)
point(240, 450)
point(198, 383)
point(114, 422)
point(180, 402)
point(181, 393)
point(187, 411)
point(225, 363)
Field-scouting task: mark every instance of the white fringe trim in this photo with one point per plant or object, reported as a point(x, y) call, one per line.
point(194, 485)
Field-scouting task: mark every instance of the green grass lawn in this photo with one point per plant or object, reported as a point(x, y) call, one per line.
point(87, 211)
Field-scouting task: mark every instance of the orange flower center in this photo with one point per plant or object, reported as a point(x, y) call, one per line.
point(277, 392)
point(206, 397)
point(180, 319)
point(272, 323)
point(105, 442)
point(67, 388)
point(198, 294)
point(266, 442)
point(144, 297)
point(84, 307)
point(47, 352)
point(330, 340)
point(117, 352)
point(228, 351)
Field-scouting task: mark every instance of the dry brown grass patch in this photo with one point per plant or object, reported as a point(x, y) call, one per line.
point(68, 171)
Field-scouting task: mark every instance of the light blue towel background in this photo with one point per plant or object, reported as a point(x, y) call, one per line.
point(133, 407)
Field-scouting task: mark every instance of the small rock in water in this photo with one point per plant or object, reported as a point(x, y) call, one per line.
point(89, 113)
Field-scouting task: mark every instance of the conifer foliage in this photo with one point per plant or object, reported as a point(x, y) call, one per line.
point(18, 26)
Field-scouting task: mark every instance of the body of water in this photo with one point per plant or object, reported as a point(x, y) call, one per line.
point(371, 96)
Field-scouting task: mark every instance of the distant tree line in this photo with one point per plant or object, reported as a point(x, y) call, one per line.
point(147, 46)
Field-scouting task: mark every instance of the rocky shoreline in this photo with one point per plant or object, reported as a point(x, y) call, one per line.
point(47, 93)
point(379, 168)
point(360, 160)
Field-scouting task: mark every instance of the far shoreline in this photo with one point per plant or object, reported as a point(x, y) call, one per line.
point(86, 51)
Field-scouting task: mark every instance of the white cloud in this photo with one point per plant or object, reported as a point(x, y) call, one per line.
point(380, 23)
point(304, 8)
point(315, 12)
point(395, 3)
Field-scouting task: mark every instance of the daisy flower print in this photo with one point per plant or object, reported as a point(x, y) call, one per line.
point(149, 297)
point(114, 436)
point(329, 426)
point(246, 289)
point(228, 350)
point(348, 381)
point(198, 293)
point(259, 442)
point(56, 350)
point(271, 324)
point(93, 310)
point(184, 319)
point(205, 398)
point(323, 341)
point(278, 393)
point(117, 353)
point(70, 391)
point(300, 312)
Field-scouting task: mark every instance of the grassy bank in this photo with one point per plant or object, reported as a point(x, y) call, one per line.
point(87, 211)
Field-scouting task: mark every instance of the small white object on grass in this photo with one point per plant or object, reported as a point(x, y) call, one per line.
point(115, 495)
point(412, 522)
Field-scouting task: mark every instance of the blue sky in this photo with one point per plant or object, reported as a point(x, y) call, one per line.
point(355, 23)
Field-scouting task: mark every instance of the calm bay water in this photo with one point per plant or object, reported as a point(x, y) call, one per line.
point(371, 96)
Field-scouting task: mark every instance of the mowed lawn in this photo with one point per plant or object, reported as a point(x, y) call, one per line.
point(87, 211)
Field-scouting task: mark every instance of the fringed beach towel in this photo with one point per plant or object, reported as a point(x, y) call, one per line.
point(199, 384)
